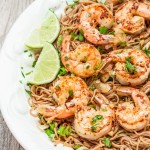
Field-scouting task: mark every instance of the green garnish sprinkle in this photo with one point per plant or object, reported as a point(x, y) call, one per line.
point(92, 88)
point(75, 147)
point(66, 58)
point(50, 131)
point(62, 71)
point(107, 142)
point(34, 63)
point(64, 131)
point(70, 93)
point(103, 30)
point(97, 118)
point(29, 92)
point(130, 68)
point(123, 44)
point(59, 40)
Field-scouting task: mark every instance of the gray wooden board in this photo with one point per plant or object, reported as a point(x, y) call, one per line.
point(9, 12)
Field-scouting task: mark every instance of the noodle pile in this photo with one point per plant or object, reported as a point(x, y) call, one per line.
point(41, 94)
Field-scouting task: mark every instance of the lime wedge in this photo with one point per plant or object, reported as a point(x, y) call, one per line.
point(47, 66)
point(47, 32)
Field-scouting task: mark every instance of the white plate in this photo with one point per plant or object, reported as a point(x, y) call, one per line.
point(13, 99)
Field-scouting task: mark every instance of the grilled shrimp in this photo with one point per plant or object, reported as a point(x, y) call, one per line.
point(132, 66)
point(131, 16)
point(68, 92)
point(84, 61)
point(90, 17)
point(91, 123)
point(146, 88)
point(130, 117)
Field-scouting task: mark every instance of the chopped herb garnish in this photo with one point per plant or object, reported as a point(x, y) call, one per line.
point(103, 30)
point(34, 63)
point(73, 75)
point(59, 40)
point(22, 74)
point(20, 81)
point(67, 65)
point(94, 128)
point(120, 1)
point(78, 53)
point(148, 78)
point(130, 68)
point(62, 71)
point(118, 52)
point(29, 92)
point(70, 93)
point(87, 67)
point(107, 142)
point(73, 35)
point(30, 55)
point(112, 33)
point(95, 68)
point(92, 106)
point(25, 51)
point(50, 131)
point(73, 4)
point(146, 51)
point(64, 131)
point(92, 88)
point(97, 118)
point(102, 1)
point(66, 58)
point(75, 147)
point(104, 109)
point(28, 73)
point(80, 36)
point(123, 44)
point(28, 84)
point(21, 67)
point(85, 59)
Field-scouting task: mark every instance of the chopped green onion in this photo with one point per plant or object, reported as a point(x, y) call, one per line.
point(80, 36)
point(67, 65)
point(20, 81)
point(94, 128)
point(146, 51)
point(75, 147)
point(92, 88)
point(30, 55)
point(87, 67)
point(104, 109)
point(73, 5)
point(66, 58)
point(107, 142)
point(62, 71)
point(148, 78)
point(73, 35)
point(102, 1)
point(28, 73)
point(25, 51)
point(112, 33)
point(120, 1)
point(29, 92)
point(70, 93)
point(103, 30)
point(123, 44)
point(97, 118)
point(95, 68)
point(34, 63)
point(50, 131)
point(130, 68)
point(59, 40)
point(22, 74)
point(85, 59)
point(64, 131)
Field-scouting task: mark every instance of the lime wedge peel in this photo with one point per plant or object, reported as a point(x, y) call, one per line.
point(47, 66)
point(47, 32)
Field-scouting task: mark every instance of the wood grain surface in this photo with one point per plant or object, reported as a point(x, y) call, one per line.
point(9, 12)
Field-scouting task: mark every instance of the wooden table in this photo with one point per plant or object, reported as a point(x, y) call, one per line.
point(9, 11)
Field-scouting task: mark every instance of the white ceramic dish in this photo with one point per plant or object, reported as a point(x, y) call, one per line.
point(13, 98)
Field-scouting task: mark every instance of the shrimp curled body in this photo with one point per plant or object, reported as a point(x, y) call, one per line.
point(86, 123)
point(133, 118)
point(131, 16)
point(138, 59)
point(90, 18)
point(69, 93)
point(84, 61)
